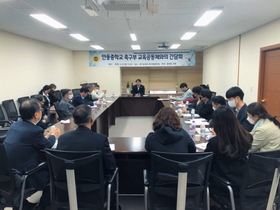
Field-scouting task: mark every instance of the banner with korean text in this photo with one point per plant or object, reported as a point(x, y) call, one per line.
point(103, 58)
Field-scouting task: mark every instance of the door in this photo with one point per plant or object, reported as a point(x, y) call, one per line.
point(269, 80)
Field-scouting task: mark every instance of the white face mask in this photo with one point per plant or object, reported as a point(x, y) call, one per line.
point(250, 120)
point(96, 90)
point(232, 103)
point(70, 96)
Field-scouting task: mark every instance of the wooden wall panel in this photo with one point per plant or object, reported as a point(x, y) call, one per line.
point(164, 78)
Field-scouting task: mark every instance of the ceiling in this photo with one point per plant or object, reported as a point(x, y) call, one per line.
point(165, 21)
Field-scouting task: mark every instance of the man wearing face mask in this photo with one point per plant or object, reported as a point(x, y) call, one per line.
point(96, 94)
point(65, 105)
point(235, 100)
point(204, 105)
point(25, 140)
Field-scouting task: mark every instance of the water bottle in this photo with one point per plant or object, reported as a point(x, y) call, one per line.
point(192, 113)
point(193, 125)
point(191, 132)
point(202, 130)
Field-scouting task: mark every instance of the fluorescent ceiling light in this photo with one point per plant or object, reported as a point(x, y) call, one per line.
point(133, 37)
point(48, 20)
point(207, 17)
point(97, 47)
point(135, 47)
point(188, 35)
point(175, 46)
point(79, 37)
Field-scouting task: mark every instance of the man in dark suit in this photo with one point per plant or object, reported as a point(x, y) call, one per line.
point(25, 140)
point(84, 139)
point(235, 100)
point(81, 98)
point(138, 89)
point(204, 105)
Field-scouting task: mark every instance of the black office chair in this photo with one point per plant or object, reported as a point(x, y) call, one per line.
point(261, 175)
point(11, 110)
point(75, 91)
point(4, 125)
point(177, 181)
point(77, 180)
point(58, 94)
point(22, 99)
point(61, 115)
point(12, 183)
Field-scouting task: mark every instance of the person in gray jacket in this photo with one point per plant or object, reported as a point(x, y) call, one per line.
point(65, 106)
point(187, 93)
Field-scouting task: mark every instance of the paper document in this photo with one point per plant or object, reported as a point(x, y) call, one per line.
point(207, 132)
point(112, 146)
point(189, 115)
point(109, 101)
point(55, 145)
point(198, 121)
point(201, 146)
point(65, 121)
point(163, 99)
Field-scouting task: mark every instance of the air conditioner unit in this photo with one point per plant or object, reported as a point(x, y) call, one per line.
point(116, 5)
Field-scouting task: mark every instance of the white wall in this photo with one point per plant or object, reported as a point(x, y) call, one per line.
point(26, 65)
point(108, 78)
point(221, 63)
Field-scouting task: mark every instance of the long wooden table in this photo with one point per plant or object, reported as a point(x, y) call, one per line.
point(130, 154)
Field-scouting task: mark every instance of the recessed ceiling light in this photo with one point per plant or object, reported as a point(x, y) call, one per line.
point(48, 20)
point(97, 47)
point(175, 46)
point(79, 37)
point(207, 17)
point(135, 47)
point(188, 35)
point(133, 37)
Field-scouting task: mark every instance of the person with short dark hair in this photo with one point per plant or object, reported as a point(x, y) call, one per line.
point(52, 96)
point(218, 101)
point(45, 120)
point(64, 105)
point(187, 93)
point(168, 135)
point(138, 89)
point(80, 98)
point(266, 133)
point(235, 100)
point(230, 147)
point(96, 94)
point(204, 105)
point(24, 143)
point(84, 139)
point(45, 92)
point(90, 88)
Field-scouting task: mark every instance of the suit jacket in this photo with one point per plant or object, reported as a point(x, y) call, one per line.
point(78, 100)
point(231, 169)
point(23, 144)
point(205, 110)
point(242, 118)
point(135, 90)
point(52, 97)
point(83, 139)
point(66, 108)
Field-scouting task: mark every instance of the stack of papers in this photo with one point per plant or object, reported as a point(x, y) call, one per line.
point(197, 121)
point(207, 132)
point(189, 115)
point(112, 146)
point(65, 121)
point(201, 146)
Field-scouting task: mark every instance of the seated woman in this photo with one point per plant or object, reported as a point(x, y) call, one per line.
point(52, 96)
point(168, 135)
point(45, 121)
point(266, 133)
point(45, 92)
point(230, 147)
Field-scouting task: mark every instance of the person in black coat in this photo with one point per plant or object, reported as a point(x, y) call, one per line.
point(204, 105)
point(168, 135)
point(230, 147)
point(84, 139)
point(52, 96)
point(25, 140)
point(138, 89)
point(81, 98)
point(45, 92)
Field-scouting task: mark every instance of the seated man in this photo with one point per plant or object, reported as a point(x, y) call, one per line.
point(96, 94)
point(65, 106)
point(138, 89)
point(80, 98)
point(23, 144)
point(187, 93)
point(90, 88)
point(84, 139)
point(235, 100)
point(204, 105)
point(45, 120)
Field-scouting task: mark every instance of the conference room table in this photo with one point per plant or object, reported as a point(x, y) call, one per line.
point(130, 153)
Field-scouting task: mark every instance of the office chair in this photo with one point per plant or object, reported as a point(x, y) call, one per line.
point(259, 184)
point(11, 110)
point(61, 115)
point(22, 99)
point(75, 91)
point(12, 183)
point(58, 94)
point(177, 181)
point(77, 180)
